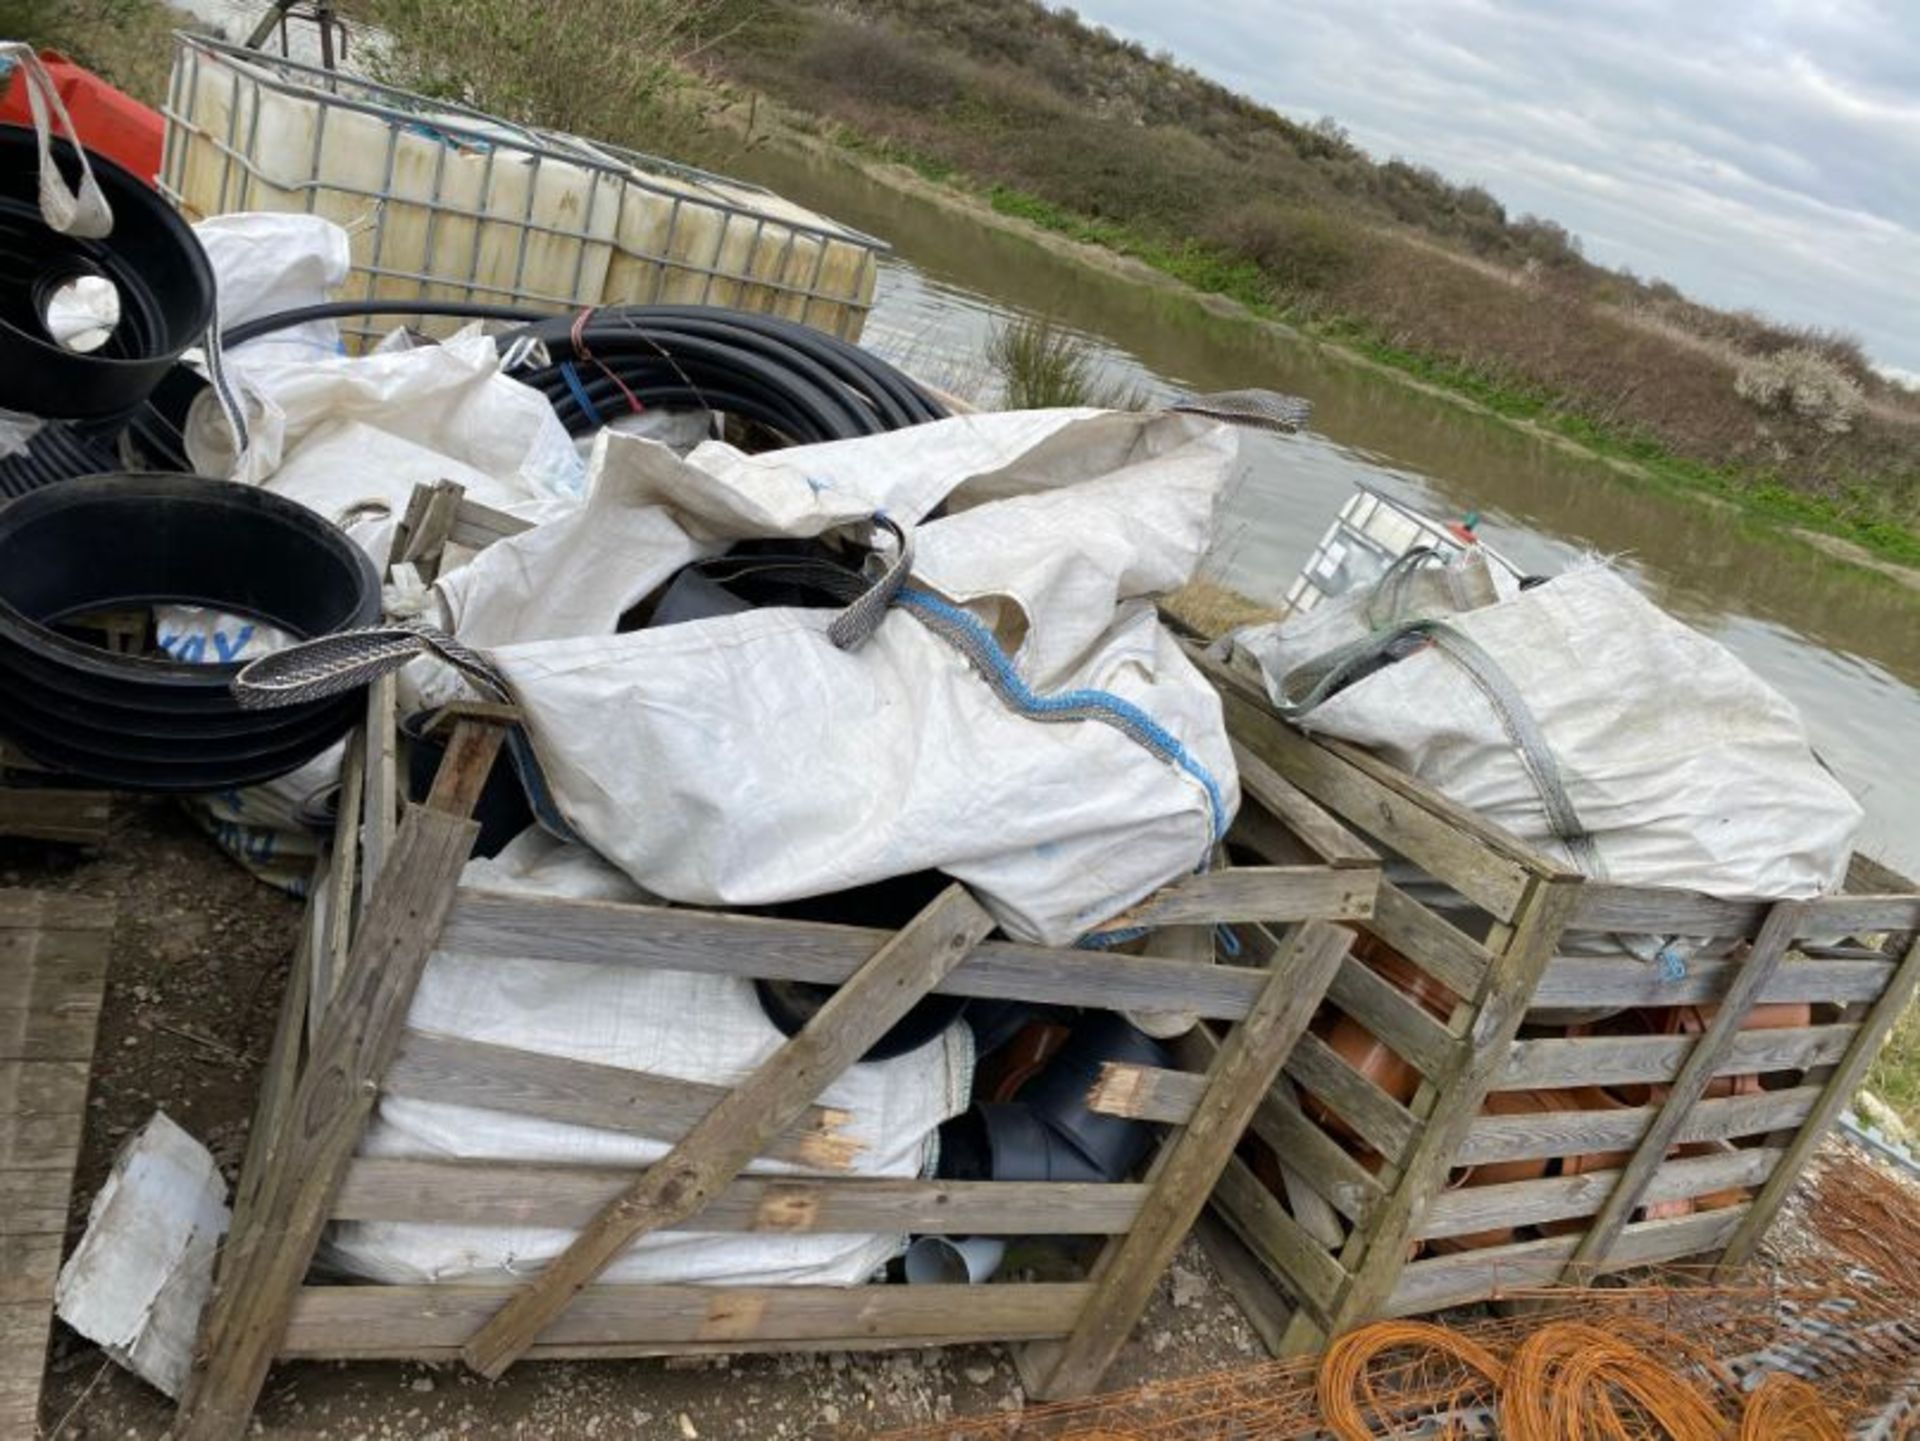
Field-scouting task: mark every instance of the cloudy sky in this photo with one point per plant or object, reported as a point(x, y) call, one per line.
point(1758, 153)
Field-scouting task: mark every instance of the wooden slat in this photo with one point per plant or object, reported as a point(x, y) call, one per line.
point(1450, 842)
point(1183, 1175)
point(486, 1194)
point(1340, 1180)
point(478, 526)
point(1859, 915)
point(64, 817)
point(464, 769)
point(1868, 877)
point(380, 809)
point(50, 988)
point(581, 1093)
point(1324, 836)
point(1146, 1093)
point(262, 1266)
point(1769, 947)
point(1441, 949)
point(1606, 907)
point(497, 926)
point(1258, 830)
point(329, 959)
point(1312, 1277)
point(1477, 1275)
point(1582, 982)
point(1612, 1061)
point(1454, 1099)
point(28, 1266)
point(267, 1130)
point(1525, 1203)
point(1573, 1133)
point(34, 1201)
point(1382, 1122)
point(23, 1349)
point(42, 1112)
point(1245, 1279)
point(1393, 1016)
point(764, 1105)
point(1840, 1086)
point(53, 911)
point(438, 1322)
point(53, 965)
point(1258, 893)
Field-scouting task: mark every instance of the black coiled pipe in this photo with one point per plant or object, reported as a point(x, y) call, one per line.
point(803, 383)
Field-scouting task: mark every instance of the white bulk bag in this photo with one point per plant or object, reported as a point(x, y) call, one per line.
point(670, 1023)
point(449, 398)
point(747, 760)
point(1685, 768)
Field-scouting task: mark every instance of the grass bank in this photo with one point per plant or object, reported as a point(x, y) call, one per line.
point(1063, 127)
point(1873, 515)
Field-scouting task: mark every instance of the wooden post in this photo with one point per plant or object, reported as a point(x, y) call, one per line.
point(1839, 1091)
point(740, 1127)
point(1183, 1174)
point(1458, 1092)
point(264, 1261)
point(1782, 924)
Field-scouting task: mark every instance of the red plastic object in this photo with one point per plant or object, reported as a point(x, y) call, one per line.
point(108, 121)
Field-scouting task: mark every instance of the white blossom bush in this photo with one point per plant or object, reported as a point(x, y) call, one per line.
point(1805, 383)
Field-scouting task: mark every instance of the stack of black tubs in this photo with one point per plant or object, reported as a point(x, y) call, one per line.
point(128, 542)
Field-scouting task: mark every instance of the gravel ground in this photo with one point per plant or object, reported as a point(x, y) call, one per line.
point(200, 952)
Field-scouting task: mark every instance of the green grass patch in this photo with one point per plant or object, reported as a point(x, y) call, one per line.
point(1895, 1074)
point(1199, 266)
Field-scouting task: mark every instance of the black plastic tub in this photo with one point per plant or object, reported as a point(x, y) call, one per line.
point(153, 259)
point(123, 542)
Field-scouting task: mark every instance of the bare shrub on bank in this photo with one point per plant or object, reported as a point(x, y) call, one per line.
point(1304, 249)
point(607, 69)
point(1802, 382)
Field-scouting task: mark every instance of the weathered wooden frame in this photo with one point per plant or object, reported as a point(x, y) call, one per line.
point(342, 1040)
point(1339, 1251)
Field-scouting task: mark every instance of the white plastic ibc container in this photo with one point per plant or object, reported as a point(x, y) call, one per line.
point(448, 203)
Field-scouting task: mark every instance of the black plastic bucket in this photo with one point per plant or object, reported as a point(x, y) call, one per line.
point(153, 260)
point(116, 542)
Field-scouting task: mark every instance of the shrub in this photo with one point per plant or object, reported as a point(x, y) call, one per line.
point(1805, 383)
point(600, 68)
point(1304, 250)
point(1042, 365)
point(879, 65)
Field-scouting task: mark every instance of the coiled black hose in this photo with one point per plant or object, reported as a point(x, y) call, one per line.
point(802, 383)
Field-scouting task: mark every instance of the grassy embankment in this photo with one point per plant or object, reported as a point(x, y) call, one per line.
point(1087, 136)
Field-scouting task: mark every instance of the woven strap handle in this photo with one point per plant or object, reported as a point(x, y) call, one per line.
point(83, 212)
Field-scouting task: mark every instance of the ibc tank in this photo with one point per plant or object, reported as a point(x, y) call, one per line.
point(448, 203)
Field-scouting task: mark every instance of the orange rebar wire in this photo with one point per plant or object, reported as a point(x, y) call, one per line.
point(1785, 1408)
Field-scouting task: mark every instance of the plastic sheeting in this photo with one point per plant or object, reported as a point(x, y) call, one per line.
point(746, 759)
point(695, 1027)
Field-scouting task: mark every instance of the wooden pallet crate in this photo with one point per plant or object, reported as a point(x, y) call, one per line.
point(1691, 1166)
point(343, 1041)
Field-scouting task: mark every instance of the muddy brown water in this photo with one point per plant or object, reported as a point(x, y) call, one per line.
point(1842, 642)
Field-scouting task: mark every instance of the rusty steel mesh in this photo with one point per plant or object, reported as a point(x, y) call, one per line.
point(1823, 1342)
